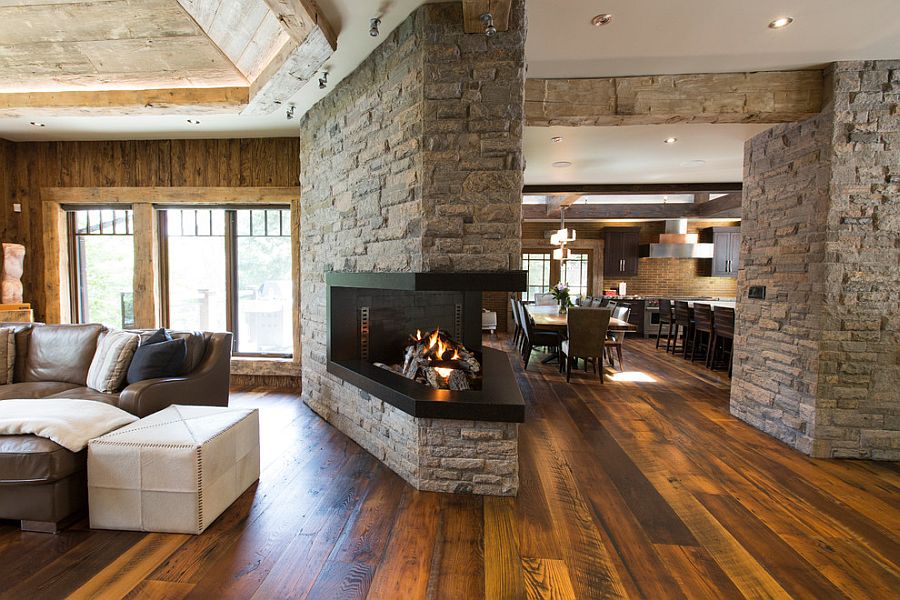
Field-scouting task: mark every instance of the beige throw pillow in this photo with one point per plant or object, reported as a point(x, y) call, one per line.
point(7, 355)
point(114, 352)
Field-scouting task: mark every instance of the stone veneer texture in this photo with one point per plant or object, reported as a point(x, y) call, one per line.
point(414, 163)
point(817, 364)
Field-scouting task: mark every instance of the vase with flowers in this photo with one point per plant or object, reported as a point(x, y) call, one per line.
point(560, 293)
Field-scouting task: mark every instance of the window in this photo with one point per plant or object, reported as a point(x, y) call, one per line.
point(538, 266)
point(230, 270)
point(576, 275)
point(101, 262)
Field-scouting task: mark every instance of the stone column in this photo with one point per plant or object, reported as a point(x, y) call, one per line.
point(817, 363)
point(414, 163)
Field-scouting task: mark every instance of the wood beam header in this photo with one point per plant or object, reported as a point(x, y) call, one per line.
point(760, 97)
point(473, 9)
point(633, 188)
point(170, 195)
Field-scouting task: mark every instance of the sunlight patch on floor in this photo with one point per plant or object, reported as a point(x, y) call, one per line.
point(638, 376)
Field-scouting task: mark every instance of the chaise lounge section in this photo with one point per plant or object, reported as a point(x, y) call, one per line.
point(41, 483)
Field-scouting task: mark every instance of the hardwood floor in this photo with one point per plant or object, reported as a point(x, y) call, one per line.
point(638, 489)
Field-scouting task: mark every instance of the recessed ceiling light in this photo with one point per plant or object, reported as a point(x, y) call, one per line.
point(693, 163)
point(193, 121)
point(37, 124)
point(670, 140)
point(781, 22)
point(556, 139)
point(562, 164)
point(601, 20)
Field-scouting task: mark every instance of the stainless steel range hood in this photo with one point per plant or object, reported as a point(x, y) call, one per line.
point(676, 242)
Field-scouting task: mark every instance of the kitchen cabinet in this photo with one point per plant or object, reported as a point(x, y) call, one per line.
point(726, 243)
point(621, 250)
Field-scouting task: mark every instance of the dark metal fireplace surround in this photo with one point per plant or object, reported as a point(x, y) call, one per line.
point(370, 317)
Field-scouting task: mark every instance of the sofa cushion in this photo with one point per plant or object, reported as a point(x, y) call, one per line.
point(61, 353)
point(164, 359)
point(154, 337)
point(111, 360)
point(23, 334)
point(7, 355)
point(32, 459)
point(34, 389)
point(86, 393)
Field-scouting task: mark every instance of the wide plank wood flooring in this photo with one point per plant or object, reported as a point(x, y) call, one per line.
point(633, 489)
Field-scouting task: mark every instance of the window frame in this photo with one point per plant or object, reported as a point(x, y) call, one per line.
point(546, 257)
point(231, 264)
point(75, 252)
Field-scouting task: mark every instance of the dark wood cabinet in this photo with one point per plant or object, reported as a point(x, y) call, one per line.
point(726, 243)
point(621, 250)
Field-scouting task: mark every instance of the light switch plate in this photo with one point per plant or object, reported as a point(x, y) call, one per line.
point(17, 207)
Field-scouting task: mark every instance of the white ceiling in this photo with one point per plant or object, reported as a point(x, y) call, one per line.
point(649, 37)
point(637, 153)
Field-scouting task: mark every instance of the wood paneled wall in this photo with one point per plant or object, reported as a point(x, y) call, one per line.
point(160, 163)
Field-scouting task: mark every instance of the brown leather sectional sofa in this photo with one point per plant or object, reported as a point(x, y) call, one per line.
point(41, 483)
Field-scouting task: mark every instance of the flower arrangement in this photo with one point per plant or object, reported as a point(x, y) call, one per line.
point(560, 293)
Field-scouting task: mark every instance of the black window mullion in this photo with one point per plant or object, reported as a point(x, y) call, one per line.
point(231, 276)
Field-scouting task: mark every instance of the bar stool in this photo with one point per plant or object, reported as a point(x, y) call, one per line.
point(723, 331)
point(666, 317)
point(684, 323)
point(702, 325)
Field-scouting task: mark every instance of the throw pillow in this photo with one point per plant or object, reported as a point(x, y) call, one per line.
point(163, 359)
point(111, 360)
point(160, 335)
point(7, 355)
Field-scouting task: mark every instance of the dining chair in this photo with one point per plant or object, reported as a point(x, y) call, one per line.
point(597, 303)
point(684, 319)
point(723, 332)
point(666, 317)
point(586, 334)
point(703, 329)
point(518, 326)
point(535, 337)
point(611, 305)
point(615, 340)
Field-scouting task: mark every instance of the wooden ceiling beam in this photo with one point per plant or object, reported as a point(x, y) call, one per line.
point(473, 9)
point(721, 206)
point(599, 189)
point(759, 97)
point(728, 205)
point(174, 101)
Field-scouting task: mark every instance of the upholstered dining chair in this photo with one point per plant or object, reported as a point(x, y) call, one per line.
point(587, 329)
point(518, 326)
point(535, 337)
point(616, 339)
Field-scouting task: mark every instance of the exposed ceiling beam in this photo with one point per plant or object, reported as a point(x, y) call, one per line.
point(173, 101)
point(725, 206)
point(555, 203)
point(633, 188)
point(760, 97)
point(473, 9)
point(298, 17)
point(717, 206)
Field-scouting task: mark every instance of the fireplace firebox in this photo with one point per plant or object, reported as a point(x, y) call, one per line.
point(373, 318)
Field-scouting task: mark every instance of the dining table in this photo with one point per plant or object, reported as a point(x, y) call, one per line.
point(548, 317)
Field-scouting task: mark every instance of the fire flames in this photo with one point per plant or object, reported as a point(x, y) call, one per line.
point(437, 360)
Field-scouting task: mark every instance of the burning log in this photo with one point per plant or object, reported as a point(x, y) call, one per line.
point(439, 361)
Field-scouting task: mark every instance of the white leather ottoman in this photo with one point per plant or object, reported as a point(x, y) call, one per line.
point(174, 471)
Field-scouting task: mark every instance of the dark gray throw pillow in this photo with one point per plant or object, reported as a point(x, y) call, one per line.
point(162, 359)
point(160, 335)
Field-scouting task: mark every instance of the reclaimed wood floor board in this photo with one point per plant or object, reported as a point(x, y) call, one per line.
point(643, 487)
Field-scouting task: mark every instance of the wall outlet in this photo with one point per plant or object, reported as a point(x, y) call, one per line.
point(17, 207)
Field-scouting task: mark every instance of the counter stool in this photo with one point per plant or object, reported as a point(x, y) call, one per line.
point(723, 332)
point(666, 317)
point(702, 325)
point(684, 323)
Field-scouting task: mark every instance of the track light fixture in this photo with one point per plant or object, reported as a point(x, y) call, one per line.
point(290, 112)
point(323, 80)
point(373, 26)
point(488, 20)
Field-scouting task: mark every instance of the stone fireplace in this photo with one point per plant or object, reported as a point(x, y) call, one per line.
point(411, 173)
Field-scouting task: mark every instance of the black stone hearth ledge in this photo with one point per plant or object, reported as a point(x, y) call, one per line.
point(466, 281)
point(498, 400)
